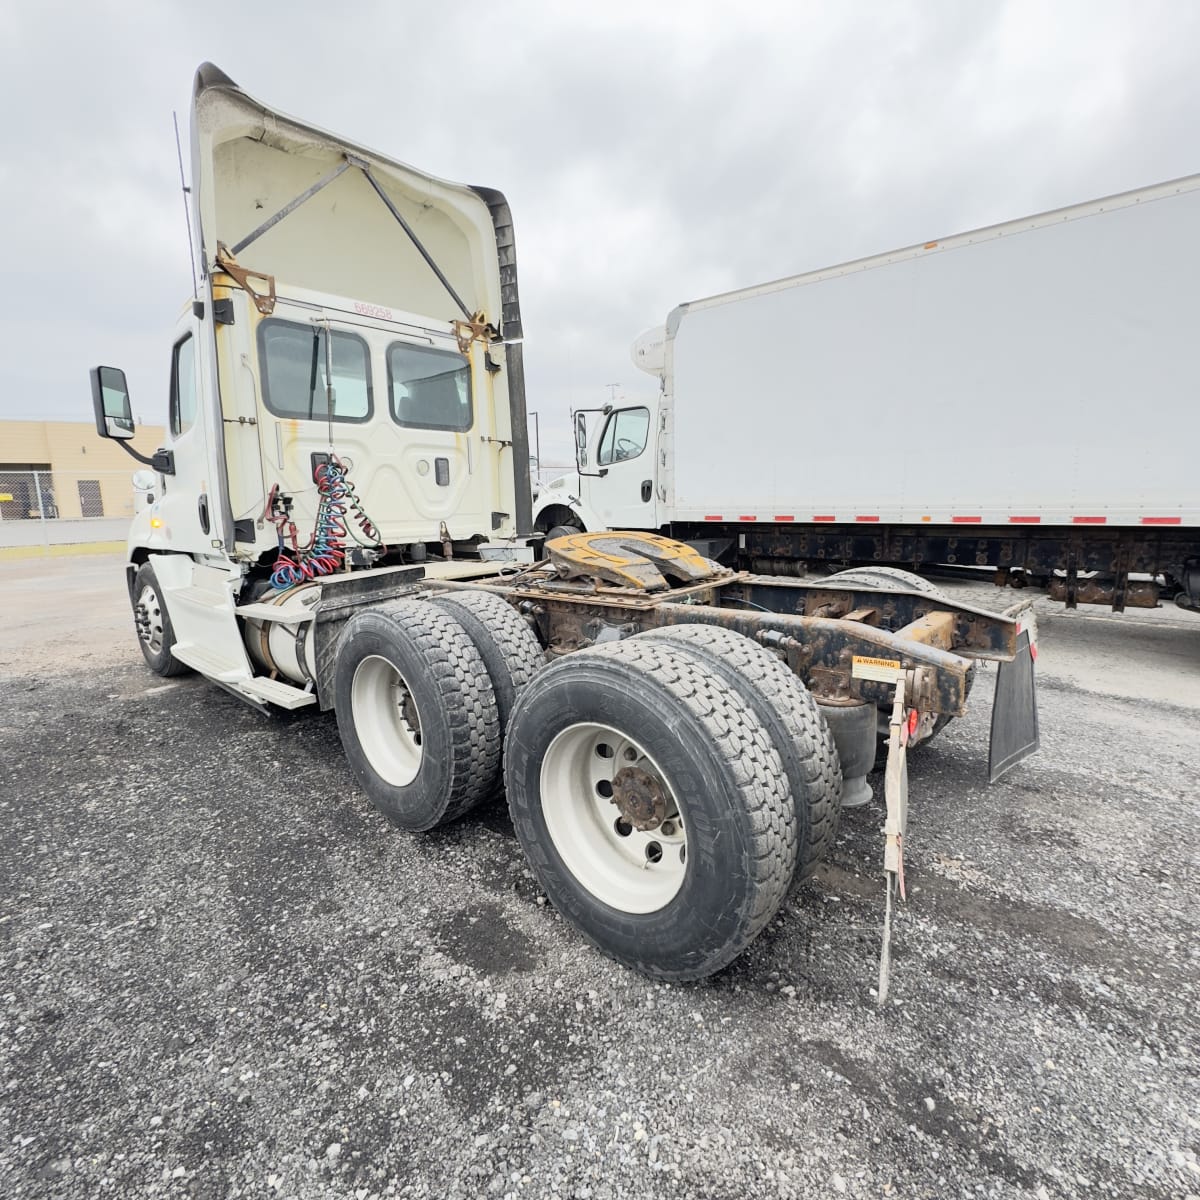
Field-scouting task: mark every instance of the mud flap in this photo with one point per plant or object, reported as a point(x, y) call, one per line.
point(1014, 711)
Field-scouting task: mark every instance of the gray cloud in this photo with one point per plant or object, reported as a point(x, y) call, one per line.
point(651, 153)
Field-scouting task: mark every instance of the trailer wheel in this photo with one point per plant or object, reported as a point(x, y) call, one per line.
point(890, 579)
point(509, 648)
point(793, 719)
point(156, 635)
point(416, 713)
point(652, 806)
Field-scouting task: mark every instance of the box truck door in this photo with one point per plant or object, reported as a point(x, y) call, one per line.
point(625, 457)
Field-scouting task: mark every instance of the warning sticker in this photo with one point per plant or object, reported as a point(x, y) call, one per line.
point(881, 670)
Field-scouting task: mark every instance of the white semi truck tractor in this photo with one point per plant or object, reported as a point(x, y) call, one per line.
point(340, 521)
point(1020, 399)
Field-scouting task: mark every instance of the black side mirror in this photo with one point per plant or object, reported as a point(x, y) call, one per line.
point(110, 402)
point(580, 440)
point(114, 417)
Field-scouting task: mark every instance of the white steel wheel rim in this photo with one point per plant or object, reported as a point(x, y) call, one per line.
point(150, 628)
point(386, 720)
point(626, 868)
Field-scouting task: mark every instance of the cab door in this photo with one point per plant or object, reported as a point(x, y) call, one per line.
point(190, 497)
point(625, 458)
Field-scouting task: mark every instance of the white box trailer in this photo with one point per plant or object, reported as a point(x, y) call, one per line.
point(1022, 397)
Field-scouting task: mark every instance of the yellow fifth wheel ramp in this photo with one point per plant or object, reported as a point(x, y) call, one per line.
point(643, 561)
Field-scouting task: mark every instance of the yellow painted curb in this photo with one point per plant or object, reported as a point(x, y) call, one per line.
point(8, 553)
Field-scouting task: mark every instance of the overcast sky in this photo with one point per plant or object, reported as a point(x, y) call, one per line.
point(651, 152)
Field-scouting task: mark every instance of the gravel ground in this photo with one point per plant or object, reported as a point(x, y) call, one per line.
point(222, 974)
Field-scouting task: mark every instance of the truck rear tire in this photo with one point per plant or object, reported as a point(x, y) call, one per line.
point(416, 713)
point(652, 806)
point(509, 648)
point(156, 635)
point(793, 719)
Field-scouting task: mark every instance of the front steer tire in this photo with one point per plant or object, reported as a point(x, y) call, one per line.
point(416, 713)
point(156, 634)
point(718, 764)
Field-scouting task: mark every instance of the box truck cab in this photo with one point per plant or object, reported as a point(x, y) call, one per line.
point(621, 460)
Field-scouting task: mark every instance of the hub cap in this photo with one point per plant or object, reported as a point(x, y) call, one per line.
point(147, 615)
point(386, 720)
point(612, 816)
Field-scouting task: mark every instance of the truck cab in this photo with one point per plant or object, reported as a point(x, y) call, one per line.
point(346, 382)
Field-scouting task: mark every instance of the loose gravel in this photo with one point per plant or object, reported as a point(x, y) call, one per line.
point(222, 974)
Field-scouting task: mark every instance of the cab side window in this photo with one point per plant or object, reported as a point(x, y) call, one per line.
point(430, 388)
point(301, 375)
point(183, 386)
point(624, 436)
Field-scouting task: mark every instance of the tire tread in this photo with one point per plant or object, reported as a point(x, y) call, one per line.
point(751, 763)
point(457, 670)
point(792, 716)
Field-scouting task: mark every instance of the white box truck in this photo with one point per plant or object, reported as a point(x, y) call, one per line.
point(1022, 398)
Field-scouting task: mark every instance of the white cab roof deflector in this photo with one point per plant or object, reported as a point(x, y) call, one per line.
point(310, 210)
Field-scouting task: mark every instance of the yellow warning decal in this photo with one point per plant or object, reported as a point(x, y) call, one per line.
point(881, 670)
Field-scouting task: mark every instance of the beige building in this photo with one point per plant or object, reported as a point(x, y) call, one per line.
point(65, 470)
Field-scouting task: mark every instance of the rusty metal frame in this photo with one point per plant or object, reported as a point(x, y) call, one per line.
point(821, 649)
point(1105, 555)
point(226, 262)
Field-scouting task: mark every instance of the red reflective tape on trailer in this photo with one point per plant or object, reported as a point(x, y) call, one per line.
point(747, 518)
point(967, 520)
point(824, 518)
point(787, 518)
point(714, 518)
point(1024, 520)
point(1088, 520)
point(1162, 520)
point(866, 518)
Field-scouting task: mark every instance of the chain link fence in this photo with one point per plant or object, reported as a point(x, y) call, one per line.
point(41, 506)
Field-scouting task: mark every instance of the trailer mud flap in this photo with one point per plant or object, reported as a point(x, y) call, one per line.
point(1014, 711)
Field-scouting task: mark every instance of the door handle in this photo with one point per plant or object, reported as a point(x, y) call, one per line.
point(647, 490)
point(202, 508)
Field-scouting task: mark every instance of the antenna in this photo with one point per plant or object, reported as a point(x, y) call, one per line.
point(187, 208)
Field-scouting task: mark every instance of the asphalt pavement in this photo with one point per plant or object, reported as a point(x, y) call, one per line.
point(222, 974)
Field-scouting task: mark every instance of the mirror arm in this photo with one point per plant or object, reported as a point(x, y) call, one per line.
point(163, 461)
